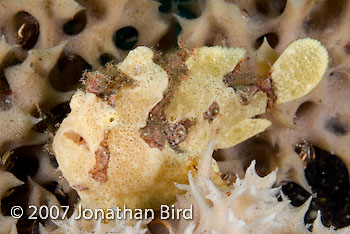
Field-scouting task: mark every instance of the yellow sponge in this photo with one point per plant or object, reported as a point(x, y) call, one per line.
point(299, 69)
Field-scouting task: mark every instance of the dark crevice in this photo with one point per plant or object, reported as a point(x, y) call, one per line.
point(22, 163)
point(218, 156)
point(260, 150)
point(185, 12)
point(76, 24)
point(106, 58)
point(270, 8)
point(329, 179)
point(170, 40)
point(165, 6)
point(324, 15)
point(187, 9)
point(296, 193)
point(272, 39)
point(51, 118)
point(56, 189)
point(14, 57)
point(5, 92)
point(125, 38)
point(53, 161)
point(27, 30)
point(347, 48)
point(19, 196)
point(303, 111)
point(65, 198)
point(67, 72)
point(60, 112)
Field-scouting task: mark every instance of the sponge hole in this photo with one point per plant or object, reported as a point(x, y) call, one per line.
point(76, 24)
point(52, 117)
point(27, 30)
point(18, 196)
point(303, 111)
point(187, 9)
point(67, 72)
point(336, 126)
point(186, 13)
point(329, 178)
point(105, 58)
point(125, 38)
point(260, 150)
point(347, 48)
point(271, 8)
point(297, 194)
point(22, 163)
point(272, 39)
point(5, 91)
point(324, 15)
point(24, 166)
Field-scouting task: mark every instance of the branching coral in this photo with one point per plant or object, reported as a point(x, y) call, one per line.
point(251, 206)
point(120, 148)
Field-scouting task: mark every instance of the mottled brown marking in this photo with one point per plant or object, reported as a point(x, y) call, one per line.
point(265, 85)
point(102, 155)
point(177, 133)
point(212, 112)
point(157, 129)
point(246, 85)
point(106, 82)
point(152, 135)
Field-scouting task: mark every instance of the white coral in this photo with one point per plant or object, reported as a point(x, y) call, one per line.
point(251, 206)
